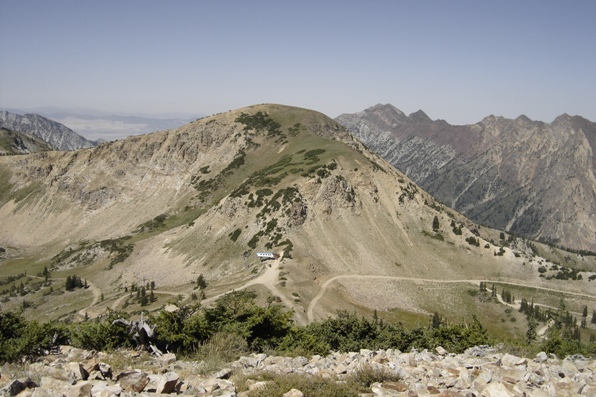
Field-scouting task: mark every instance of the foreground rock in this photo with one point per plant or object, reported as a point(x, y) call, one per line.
point(480, 371)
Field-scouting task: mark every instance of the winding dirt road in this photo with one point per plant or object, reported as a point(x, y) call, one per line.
point(326, 284)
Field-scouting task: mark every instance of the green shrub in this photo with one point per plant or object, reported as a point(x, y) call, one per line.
point(22, 338)
point(312, 156)
point(473, 241)
point(235, 234)
point(100, 334)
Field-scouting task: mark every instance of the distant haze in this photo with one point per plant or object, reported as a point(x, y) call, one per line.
point(94, 124)
point(458, 60)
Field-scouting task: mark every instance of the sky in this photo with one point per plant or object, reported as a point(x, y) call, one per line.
point(457, 60)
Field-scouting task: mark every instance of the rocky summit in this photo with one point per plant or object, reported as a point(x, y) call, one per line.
point(480, 371)
point(526, 177)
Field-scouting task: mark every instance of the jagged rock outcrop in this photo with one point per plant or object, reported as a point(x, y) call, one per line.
point(526, 177)
point(480, 371)
point(55, 134)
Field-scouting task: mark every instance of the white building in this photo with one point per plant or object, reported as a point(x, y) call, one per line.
point(267, 255)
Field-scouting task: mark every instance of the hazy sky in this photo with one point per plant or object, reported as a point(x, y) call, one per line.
point(456, 60)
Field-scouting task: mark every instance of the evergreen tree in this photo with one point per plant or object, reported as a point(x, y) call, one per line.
point(585, 311)
point(201, 283)
point(531, 333)
point(576, 334)
point(593, 317)
point(436, 224)
point(436, 320)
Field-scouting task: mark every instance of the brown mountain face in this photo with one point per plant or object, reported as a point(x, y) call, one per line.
point(526, 177)
point(203, 199)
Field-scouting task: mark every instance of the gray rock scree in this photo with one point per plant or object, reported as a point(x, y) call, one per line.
point(481, 371)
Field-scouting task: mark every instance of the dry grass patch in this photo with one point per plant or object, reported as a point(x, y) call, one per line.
point(352, 385)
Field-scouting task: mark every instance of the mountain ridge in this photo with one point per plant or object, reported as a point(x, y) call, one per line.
point(498, 171)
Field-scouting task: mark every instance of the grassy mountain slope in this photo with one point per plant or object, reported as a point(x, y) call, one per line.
point(166, 207)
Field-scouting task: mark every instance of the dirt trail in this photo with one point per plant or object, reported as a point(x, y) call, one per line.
point(96, 298)
point(314, 301)
point(269, 278)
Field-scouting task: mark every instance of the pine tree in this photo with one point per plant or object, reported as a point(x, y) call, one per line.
point(531, 333)
point(201, 283)
point(585, 311)
point(436, 320)
point(436, 224)
point(593, 317)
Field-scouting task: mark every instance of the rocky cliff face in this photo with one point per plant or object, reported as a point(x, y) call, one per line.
point(526, 177)
point(55, 134)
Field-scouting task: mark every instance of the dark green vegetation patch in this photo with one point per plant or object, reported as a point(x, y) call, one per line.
point(260, 122)
point(82, 255)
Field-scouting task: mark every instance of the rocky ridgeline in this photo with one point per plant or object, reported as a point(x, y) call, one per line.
point(480, 371)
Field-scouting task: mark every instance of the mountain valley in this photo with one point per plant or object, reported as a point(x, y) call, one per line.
point(197, 202)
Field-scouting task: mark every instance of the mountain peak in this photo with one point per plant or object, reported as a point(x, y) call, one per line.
point(420, 116)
